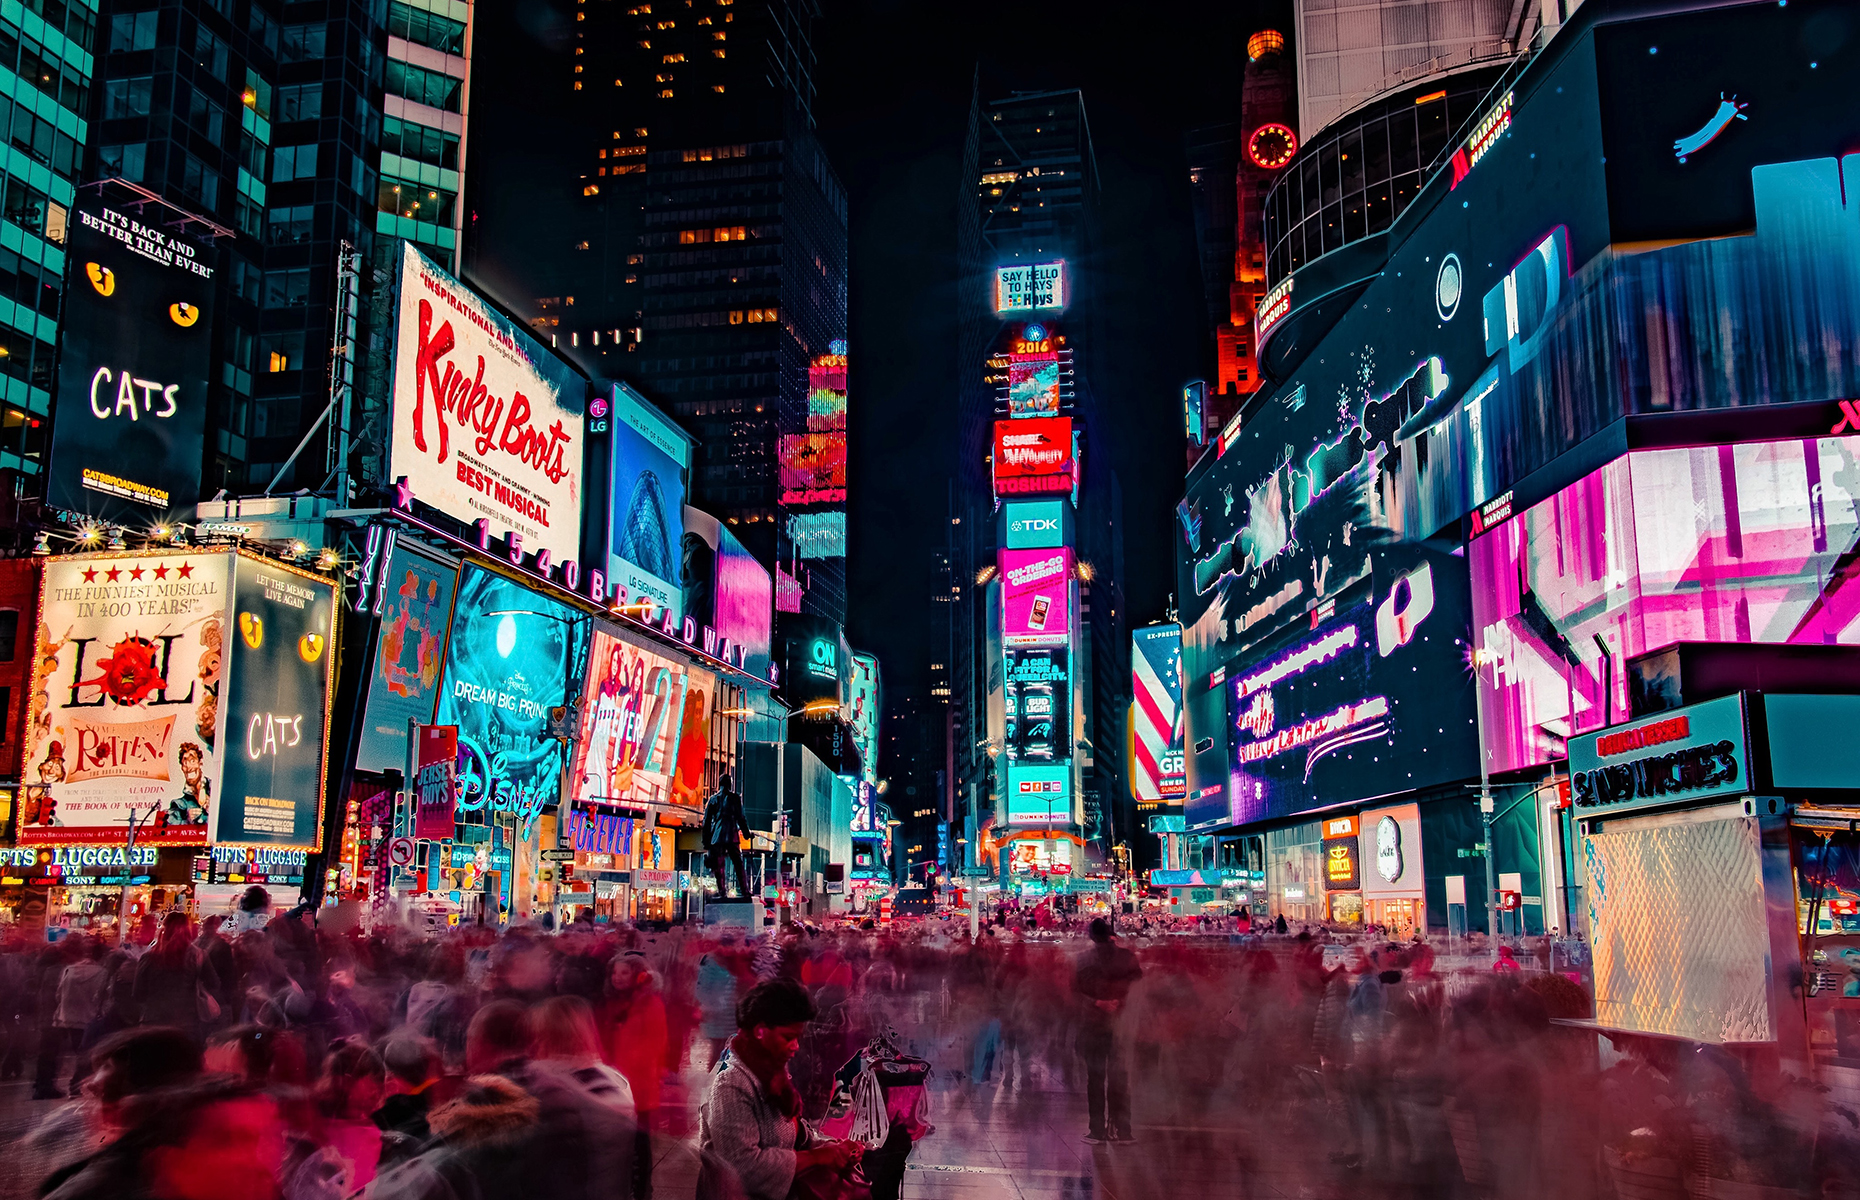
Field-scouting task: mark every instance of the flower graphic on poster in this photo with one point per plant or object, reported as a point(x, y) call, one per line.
point(128, 674)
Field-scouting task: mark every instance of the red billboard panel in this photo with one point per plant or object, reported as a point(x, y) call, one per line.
point(1033, 456)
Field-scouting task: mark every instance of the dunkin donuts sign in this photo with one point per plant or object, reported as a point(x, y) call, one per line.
point(487, 422)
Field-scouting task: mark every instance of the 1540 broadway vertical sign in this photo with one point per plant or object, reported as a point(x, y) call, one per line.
point(132, 380)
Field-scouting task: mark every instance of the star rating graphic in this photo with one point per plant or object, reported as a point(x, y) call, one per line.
point(136, 571)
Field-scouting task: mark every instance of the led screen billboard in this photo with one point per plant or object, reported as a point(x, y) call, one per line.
point(1037, 702)
point(1407, 417)
point(514, 654)
point(132, 376)
point(126, 708)
point(1157, 770)
point(1039, 793)
point(818, 534)
point(1033, 385)
point(1036, 596)
point(278, 676)
point(645, 726)
point(727, 592)
point(813, 468)
point(1377, 699)
point(1757, 552)
point(1036, 524)
point(651, 459)
point(415, 607)
point(863, 713)
point(487, 424)
point(1024, 288)
point(826, 393)
point(1034, 456)
point(819, 664)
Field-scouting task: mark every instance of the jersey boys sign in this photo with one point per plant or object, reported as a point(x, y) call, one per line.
point(487, 423)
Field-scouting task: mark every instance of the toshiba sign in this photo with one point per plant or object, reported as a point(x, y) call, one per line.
point(1033, 456)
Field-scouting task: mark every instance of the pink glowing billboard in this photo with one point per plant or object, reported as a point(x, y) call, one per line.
point(1743, 543)
point(1036, 596)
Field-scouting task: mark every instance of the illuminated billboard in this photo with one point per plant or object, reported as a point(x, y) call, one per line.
point(1036, 596)
point(1039, 793)
point(728, 595)
point(826, 393)
point(1375, 700)
point(1754, 554)
point(1037, 699)
point(278, 676)
point(1030, 287)
point(650, 462)
point(514, 654)
point(818, 534)
point(863, 714)
point(1034, 456)
point(1157, 769)
point(487, 424)
point(819, 664)
point(125, 712)
point(137, 348)
point(1033, 384)
point(1036, 524)
point(415, 607)
point(813, 467)
point(195, 685)
point(645, 726)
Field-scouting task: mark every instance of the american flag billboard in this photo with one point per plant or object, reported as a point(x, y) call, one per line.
point(1156, 769)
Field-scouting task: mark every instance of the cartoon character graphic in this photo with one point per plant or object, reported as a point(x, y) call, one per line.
point(190, 807)
point(212, 653)
point(37, 806)
point(412, 626)
point(39, 720)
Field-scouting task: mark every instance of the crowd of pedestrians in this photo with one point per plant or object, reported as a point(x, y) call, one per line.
point(281, 1061)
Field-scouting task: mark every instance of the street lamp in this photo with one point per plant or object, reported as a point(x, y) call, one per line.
point(129, 870)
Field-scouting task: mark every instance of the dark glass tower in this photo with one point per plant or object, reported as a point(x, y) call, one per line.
point(664, 213)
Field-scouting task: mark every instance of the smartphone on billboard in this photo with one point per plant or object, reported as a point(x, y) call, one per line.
point(1036, 617)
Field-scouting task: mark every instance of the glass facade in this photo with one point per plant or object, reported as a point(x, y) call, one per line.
point(1355, 177)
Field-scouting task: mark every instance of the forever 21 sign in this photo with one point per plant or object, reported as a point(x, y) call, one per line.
point(1691, 753)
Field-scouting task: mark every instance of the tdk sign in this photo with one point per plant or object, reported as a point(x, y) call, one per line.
point(1034, 524)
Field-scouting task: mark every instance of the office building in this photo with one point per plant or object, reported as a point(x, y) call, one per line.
point(676, 224)
point(48, 61)
point(1042, 549)
point(282, 139)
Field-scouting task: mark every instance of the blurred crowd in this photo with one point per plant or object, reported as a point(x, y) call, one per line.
point(282, 1061)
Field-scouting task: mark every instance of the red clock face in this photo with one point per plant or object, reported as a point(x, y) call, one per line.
point(1272, 146)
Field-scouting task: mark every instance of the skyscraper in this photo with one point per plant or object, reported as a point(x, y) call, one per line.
point(290, 137)
point(50, 54)
point(675, 223)
point(1035, 522)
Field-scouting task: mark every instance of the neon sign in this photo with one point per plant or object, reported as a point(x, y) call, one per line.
point(1309, 655)
point(1273, 306)
point(1485, 135)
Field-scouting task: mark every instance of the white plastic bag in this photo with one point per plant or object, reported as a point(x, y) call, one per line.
point(869, 1124)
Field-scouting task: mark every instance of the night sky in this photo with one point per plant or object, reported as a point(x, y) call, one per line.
point(894, 86)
